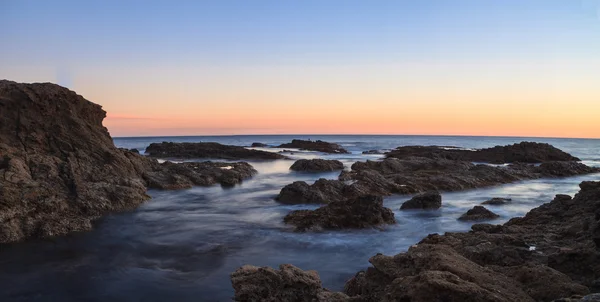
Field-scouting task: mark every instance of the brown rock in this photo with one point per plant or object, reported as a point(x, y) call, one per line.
point(318, 145)
point(317, 165)
point(478, 213)
point(358, 213)
point(207, 150)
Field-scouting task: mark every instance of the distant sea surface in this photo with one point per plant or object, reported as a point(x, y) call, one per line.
point(182, 245)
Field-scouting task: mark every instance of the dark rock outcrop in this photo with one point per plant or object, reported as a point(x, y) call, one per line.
point(59, 168)
point(375, 152)
point(318, 145)
point(259, 145)
point(524, 152)
point(550, 254)
point(417, 174)
point(425, 201)
point(478, 213)
point(317, 165)
point(497, 201)
point(207, 150)
point(289, 283)
point(357, 213)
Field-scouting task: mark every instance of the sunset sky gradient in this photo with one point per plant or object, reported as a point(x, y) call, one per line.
point(478, 67)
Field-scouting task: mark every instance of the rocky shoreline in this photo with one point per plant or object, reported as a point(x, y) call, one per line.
point(551, 253)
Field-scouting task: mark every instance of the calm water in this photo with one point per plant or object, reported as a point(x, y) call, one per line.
point(182, 245)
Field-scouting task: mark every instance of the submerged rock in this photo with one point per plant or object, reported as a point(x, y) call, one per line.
point(318, 145)
point(259, 145)
point(207, 150)
point(478, 213)
point(497, 201)
point(357, 213)
point(524, 152)
point(550, 254)
point(426, 201)
point(317, 165)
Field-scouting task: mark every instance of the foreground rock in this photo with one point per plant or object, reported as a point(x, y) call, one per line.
point(553, 253)
point(317, 165)
point(497, 201)
point(318, 145)
point(357, 213)
point(207, 150)
point(524, 152)
point(59, 168)
point(478, 213)
point(290, 283)
point(425, 201)
point(417, 174)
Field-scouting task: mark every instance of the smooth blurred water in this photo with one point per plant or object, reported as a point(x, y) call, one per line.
point(182, 245)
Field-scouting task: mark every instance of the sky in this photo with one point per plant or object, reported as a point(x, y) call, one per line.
point(432, 67)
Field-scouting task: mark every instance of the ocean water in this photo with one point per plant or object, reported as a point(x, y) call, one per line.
point(182, 245)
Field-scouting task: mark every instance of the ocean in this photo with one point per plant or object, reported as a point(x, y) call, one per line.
point(182, 245)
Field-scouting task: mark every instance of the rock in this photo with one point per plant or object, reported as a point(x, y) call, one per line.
point(208, 150)
point(357, 213)
point(59, 168)
point(497, 201)
point(478, 213)
point(322, 191)
point(317, 165)
point(375, 152)
point(289, 283)
point(547, 255)
point(318, 145)
point(259, 145)
point(426, 201)
point(524, 152)
point(135, 150)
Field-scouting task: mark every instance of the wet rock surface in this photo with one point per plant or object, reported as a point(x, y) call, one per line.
point(425, 201)
point(497, 201)
point(208, 150)
point(524, 152)
point(317, 165)
point(259, 145)
point(550, 254)
point(357, 213)
point(318, 145)
point(417, 174)
point(478, 213)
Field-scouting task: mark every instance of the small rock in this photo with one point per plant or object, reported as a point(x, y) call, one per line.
point(317, 165)
point(426, 201)
point(478, 213)
point(497, 201)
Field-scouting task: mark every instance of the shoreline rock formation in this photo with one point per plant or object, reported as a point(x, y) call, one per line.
point(60, 170)
point(419, 174)
point(317, 165)
point(208, 150)
point(523, 152)
point(318, 145)
point(551, 253)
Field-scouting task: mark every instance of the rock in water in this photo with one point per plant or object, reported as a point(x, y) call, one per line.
point(478, 213)
point(358, 213)
point(59, 168)
point(259, 145)
point(320, 146)
point(426, 201)
point(317, 165)
point(289, 283)
point(497, 201)
point(207, 150)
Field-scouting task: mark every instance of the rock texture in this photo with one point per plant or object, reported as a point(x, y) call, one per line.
point(318, 145)
point(478, 213)
point(207, 150)
point(357, 213)
point(417, 174)
point(259, 145)
point(317, 165)
point(497, 201)
point(524, 152)
point(425, 201)
point(550, 254)
point(289, 283)
point(59, 168)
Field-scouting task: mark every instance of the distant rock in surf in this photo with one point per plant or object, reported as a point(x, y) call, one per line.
point(318, 145)
point(317, 165)
point(497, 201)
point(259, 145)
point(478, 213)
point(208, 150)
